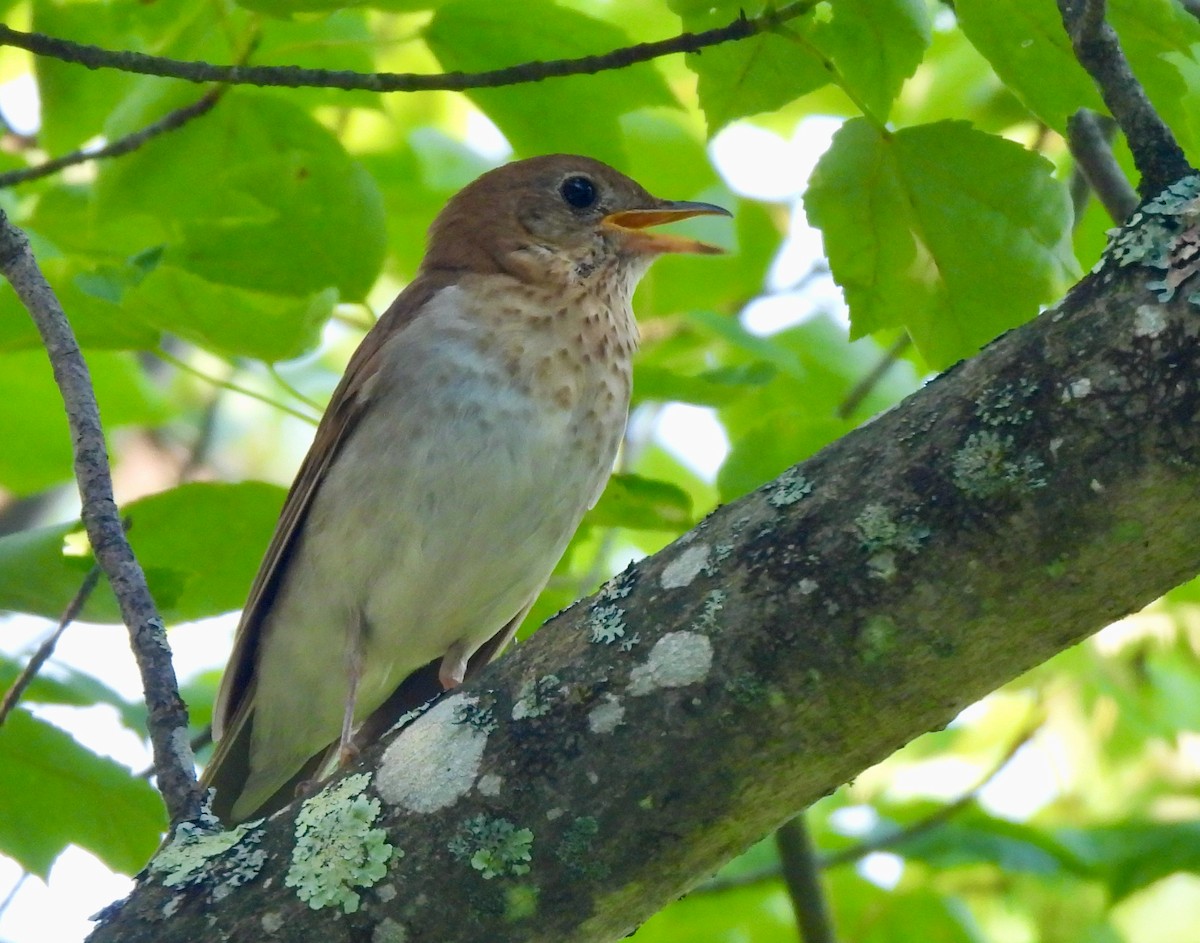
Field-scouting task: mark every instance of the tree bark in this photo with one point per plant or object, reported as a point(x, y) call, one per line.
point(1009, 509)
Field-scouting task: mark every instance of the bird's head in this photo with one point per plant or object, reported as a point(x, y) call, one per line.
point(558, 217)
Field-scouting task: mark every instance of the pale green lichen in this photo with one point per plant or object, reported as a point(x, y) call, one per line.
point(788, 488)
point(607, 624)
point(336, 848)
point(197, 854)
point(721, 553)
point(574, 849)
point(1163, 235)
point(883, 534)
point(877, 638)
point(714, 602)
point(475, 715)
point(988, 464)
point(538, 697)
point(880, 529)
point(619, 586)
point(493, 847)
point(1006, 405)
point(520, 902)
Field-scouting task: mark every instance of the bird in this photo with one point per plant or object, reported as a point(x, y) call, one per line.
point(476, 423)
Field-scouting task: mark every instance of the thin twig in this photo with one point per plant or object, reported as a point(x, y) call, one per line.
point(167, 715)
point(131, 142)
point(802, 875)
point(12, 894)
point(46, 649)
point(1089, 137)
point(1156, 152)
point(95, 57)
point(862, 389)
point(231, 386)
point(291, 390)
point(891, 839)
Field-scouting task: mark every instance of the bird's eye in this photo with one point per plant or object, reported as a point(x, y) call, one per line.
point(578, 191)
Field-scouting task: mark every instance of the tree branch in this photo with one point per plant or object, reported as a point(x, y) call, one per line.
point(1158, 156)
point(802, 874)
point(1090, 145)
point(173, 761)
point(1005, 511)
point(129, 143)
point(95, 57)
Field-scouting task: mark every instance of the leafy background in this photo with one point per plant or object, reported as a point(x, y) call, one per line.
point(219, 276)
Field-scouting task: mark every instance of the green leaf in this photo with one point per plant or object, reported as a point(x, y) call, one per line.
point(642, 503)
point(953, 234)
point(775, 444)
point(199, 544)
point(62, 685)
point(230, 321)
point(1026, 44)
point(574, 115)
point(1162, 41)
point(37, 441)
point(973, 837)
point(760, 73)
point(896, 33)
point(1131, 856)
point(74, 797)
point(257, 195)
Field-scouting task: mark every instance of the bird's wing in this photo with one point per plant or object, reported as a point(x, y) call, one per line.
point(346, 406)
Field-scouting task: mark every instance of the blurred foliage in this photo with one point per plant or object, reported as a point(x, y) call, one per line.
point(219, 276)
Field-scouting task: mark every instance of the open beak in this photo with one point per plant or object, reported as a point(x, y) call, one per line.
point(632, 225)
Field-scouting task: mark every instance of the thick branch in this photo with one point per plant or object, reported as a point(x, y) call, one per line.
point(173, 762)
point(1157, 154)
point(94, 57)
point(642, 738)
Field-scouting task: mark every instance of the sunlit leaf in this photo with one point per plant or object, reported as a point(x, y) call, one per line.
point(916, 224)
point(74, 797)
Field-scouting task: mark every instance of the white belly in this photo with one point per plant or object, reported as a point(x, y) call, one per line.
point(443, 514)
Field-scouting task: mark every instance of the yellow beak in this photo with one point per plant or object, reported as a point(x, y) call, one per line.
point(632, 225)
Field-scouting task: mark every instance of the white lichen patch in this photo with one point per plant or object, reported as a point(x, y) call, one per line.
point(685, 567)
point(677, 660)
point(489, 784)
point(807, 586)
point(197, 854)
point(336, 848)
point(882, 565)
point(389, 931)
point(272, 922)
point(1148, 321)
point(435, 762)
point(1077, 389)
point(788, 488)
point(606, 716)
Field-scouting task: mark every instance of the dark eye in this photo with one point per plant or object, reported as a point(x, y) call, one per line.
point(579, 191)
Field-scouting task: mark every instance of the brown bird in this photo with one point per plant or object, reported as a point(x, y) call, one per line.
point(476, 423)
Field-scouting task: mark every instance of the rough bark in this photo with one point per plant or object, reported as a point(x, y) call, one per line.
point(1006, 511)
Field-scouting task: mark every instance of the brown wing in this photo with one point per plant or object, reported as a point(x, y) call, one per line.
point(234, 697)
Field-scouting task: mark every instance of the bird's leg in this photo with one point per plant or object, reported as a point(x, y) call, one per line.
point(355, 643)
point(454, 665)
